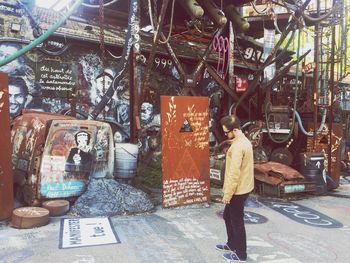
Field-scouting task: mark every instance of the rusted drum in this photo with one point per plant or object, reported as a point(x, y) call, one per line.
point(29, 217)
point(312, 168)
point(57, 207)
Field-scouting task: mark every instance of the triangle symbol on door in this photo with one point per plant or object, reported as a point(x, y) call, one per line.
point(186, 127)
point(324, 140)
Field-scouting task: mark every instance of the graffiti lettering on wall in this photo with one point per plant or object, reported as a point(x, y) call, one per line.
point(56, 79)
point(11, 10)
point(53, 183)
point(186, 191)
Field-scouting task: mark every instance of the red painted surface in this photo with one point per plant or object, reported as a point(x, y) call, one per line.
point(6, 180)
point(241, 84)
point(185, 150)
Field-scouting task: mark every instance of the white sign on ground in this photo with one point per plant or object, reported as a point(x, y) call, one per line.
point(82, 232)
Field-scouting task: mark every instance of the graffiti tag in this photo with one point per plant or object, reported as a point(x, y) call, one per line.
point(303, 214)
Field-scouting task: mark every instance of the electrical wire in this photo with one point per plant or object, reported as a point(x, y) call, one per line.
point(112, 55)
point(150, 14)
point(171, 25)
point(263, 12)
point(55, 53)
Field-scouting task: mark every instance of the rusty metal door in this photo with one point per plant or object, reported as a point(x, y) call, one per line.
point(185, 150)
point(6, 180)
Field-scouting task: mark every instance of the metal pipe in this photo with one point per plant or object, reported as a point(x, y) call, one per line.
point(135, 80)
point(332, 93)
point(316, 75)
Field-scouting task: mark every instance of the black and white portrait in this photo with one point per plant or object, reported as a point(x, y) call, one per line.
point(80, 157)
point(18, 96)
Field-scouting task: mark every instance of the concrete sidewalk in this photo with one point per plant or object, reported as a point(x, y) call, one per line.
point(189, 234)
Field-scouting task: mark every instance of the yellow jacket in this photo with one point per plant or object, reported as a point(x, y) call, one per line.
point(239, 169)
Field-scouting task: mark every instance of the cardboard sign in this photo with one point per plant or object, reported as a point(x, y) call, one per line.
point(83, 232)
point(185, 149)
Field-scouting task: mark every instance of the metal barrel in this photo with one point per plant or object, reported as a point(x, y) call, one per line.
point(312, 168)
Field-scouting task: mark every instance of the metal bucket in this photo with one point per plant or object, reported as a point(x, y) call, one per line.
point(125, 160)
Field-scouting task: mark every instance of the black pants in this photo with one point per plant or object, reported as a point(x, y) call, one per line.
point(234, 221)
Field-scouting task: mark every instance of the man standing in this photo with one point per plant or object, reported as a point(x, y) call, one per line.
point(238, 182)
point(18, 94)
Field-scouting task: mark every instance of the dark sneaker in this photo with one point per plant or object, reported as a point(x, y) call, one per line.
point(232, 257)
point(223, 247)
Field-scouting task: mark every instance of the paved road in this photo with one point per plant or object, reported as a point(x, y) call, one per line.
point(188, 235)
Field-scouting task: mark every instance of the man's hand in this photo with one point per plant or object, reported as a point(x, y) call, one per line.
point(225, 201)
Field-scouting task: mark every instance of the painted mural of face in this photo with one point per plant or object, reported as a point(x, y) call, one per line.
point(118, 137)
point(146, 112)
point(100, 89)
point(17, 98)
point(123, 113)
point(5, 51)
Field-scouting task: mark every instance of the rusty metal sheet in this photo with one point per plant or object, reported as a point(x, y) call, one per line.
point(6, 180)
point(185, 150)
point(322, 140)
point(28, 136)
point(74, 151)
point(276, 172)
point(42, 146)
